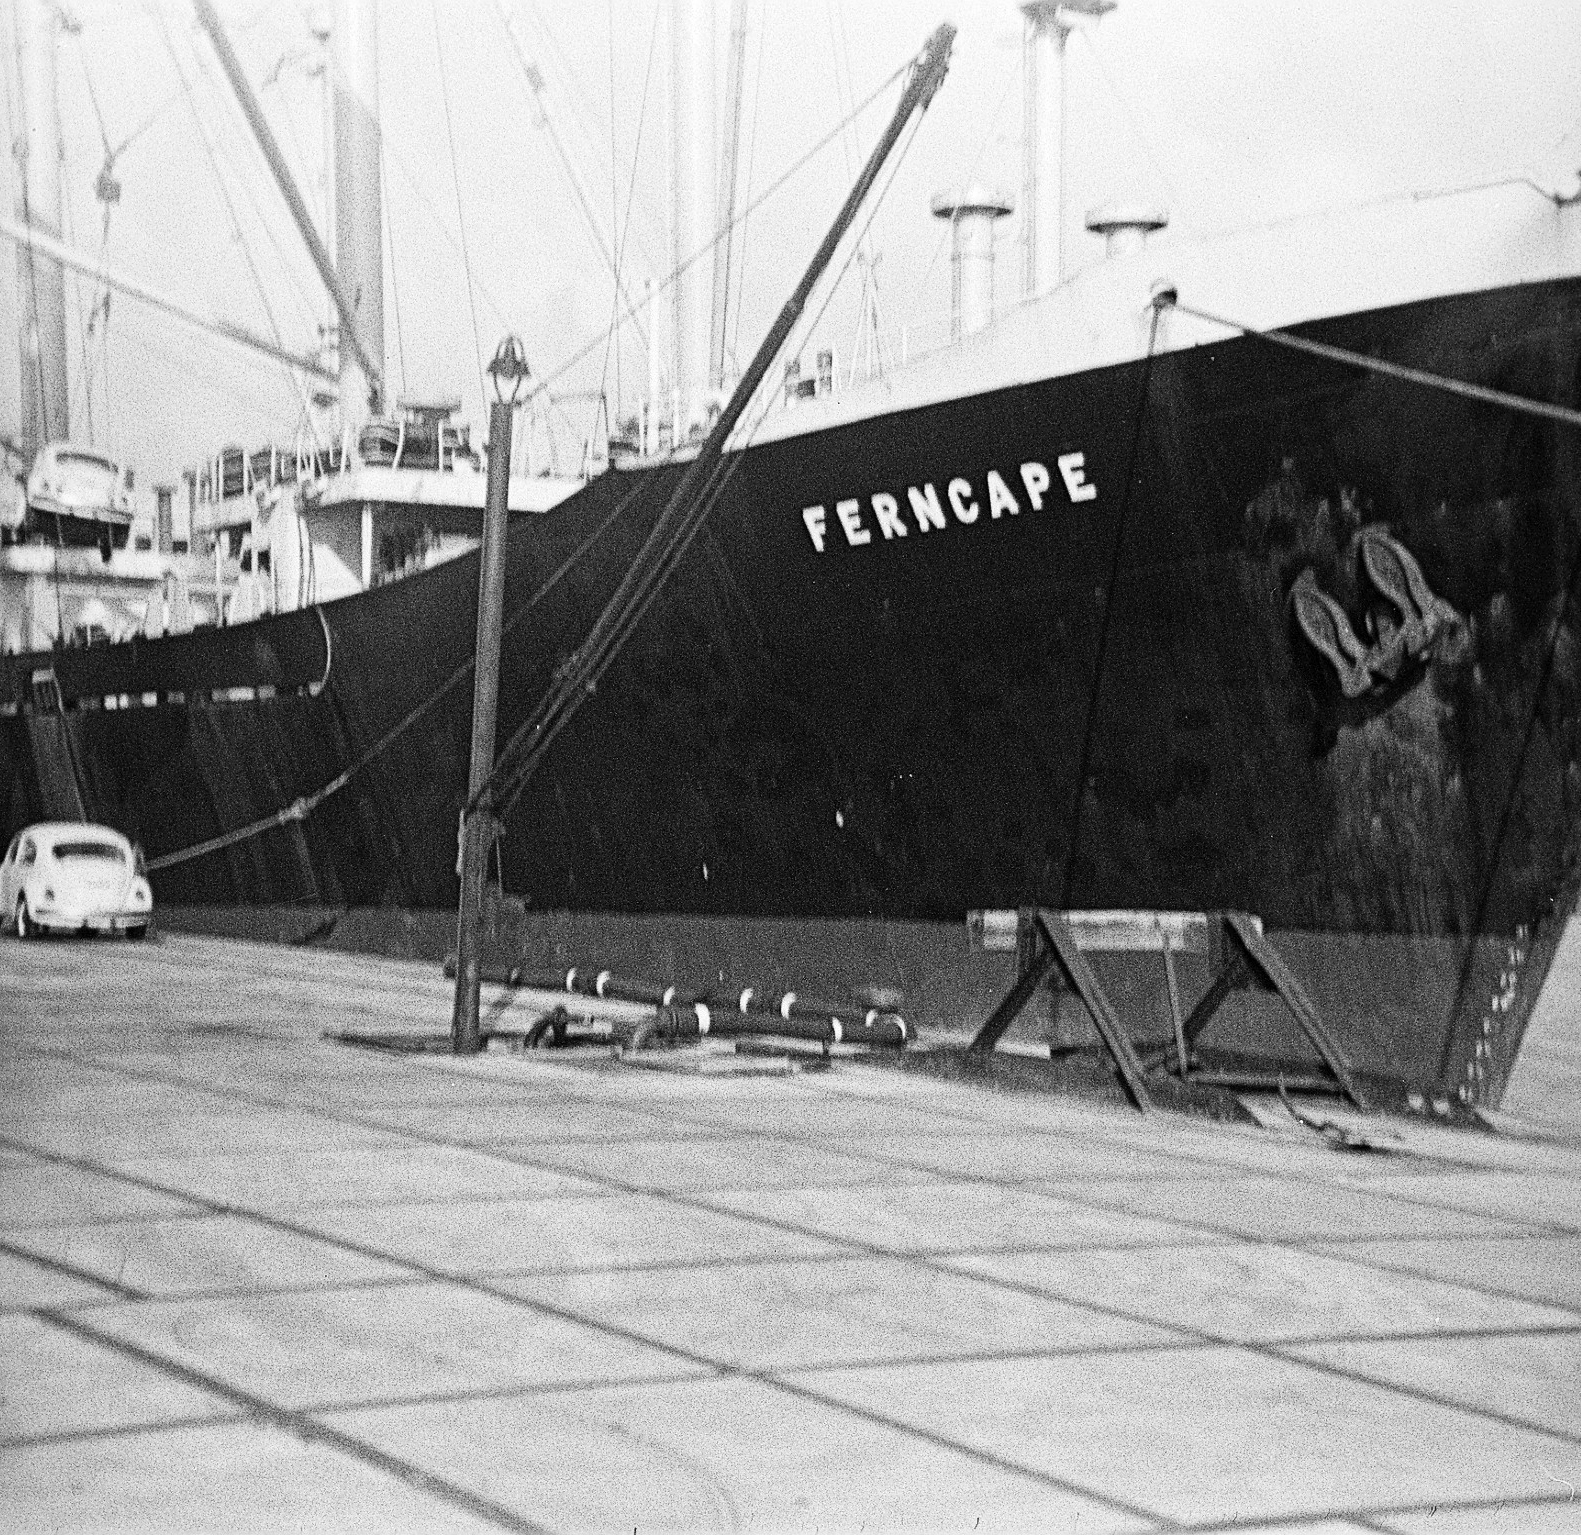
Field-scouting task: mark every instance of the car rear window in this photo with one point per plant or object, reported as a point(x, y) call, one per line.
point(107, 850)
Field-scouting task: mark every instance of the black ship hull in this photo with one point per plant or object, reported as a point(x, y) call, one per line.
point(1091, 669)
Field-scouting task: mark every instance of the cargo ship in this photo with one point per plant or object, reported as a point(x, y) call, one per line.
point(1237, 574)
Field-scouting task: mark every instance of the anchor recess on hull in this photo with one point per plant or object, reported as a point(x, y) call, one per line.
point(1407, 621)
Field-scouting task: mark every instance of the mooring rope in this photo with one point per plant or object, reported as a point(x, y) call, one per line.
point(304, 805)
point(1522, 405)
point(298, 810)
point(1395, 370)
point(1089, 730)
point(666, 545)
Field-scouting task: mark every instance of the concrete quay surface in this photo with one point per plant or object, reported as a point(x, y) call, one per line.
point(251, 1279)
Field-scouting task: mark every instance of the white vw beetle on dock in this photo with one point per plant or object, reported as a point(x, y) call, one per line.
point(73, 877)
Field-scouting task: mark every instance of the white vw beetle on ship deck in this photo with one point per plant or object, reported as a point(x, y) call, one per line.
point(73, 877)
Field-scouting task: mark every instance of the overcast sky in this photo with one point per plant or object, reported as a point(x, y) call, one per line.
point(1227, 112)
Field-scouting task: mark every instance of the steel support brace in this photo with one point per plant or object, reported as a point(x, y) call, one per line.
point(1264, 961)
point(1243, 960)
point(1231, 976)
point(1054, 947)
point(1248, 962)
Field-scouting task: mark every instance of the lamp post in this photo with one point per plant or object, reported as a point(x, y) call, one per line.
point(478, 826)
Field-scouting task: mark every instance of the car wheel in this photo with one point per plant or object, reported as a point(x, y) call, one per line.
point(137, 934)
point(24, 923)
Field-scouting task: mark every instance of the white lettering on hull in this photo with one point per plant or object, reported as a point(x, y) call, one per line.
point(1000, 500)
point(815, 518)
point(927, 509)
point(850, 515)
point(887, 509)
point(1074, 475)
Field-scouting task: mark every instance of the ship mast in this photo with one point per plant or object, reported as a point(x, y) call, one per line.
point(1049, 24)
point(357, 285)
point(725, 204)
point(41, 284)
point(329, 326)
point(692, 183)
point(359, 216)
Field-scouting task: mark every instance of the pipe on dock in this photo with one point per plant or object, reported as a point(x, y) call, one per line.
point(698, 1020)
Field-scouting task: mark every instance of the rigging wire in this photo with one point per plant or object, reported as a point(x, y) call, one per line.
point(43, 398)
point(765, 398)
point(752, 147)
point(567, 67)
point(455, 181)
point(1106, 624)
point(571, 99)
point(545, 119)
point(84, 323)
point(93, 95)
point(1468, 391)
point(662, 551)
point(198, 367)
point(389, 245)
point(101, 295)
point(229, 111)
point(427, 205)
point(32, 282)
point(611, 342)
point(230, 205)
point(303, 806)
point(101, 312)
point(689, 524)
point(38, 357)
point(675, 275)
point(287, 123)
point(614, 183)
point(142, 128)
point(101, 290)
point(843, 90)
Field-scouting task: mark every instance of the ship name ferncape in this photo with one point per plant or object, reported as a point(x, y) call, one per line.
point(998, 494)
